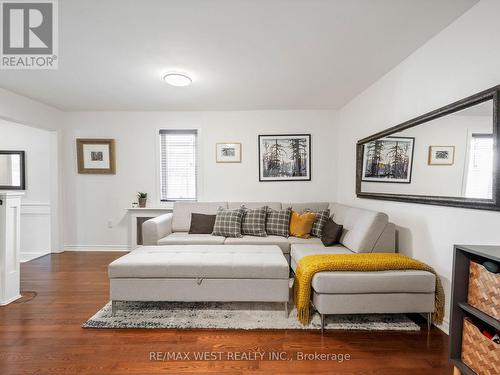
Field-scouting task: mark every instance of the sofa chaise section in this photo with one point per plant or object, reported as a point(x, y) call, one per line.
point(344, 292)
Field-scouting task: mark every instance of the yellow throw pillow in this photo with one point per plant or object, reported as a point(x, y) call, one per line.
point(301, 225)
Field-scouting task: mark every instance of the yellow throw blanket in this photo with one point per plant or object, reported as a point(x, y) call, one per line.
point(309, 265)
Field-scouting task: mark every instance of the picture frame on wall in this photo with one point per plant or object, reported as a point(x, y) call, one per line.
point(96, 156)
point(229, 152)
point(388, 159)
point(285, 157)
point(441, 155)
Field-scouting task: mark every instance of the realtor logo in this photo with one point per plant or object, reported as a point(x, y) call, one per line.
point(29, 34)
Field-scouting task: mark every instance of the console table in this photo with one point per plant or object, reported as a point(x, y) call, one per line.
point(460, 308)
point(137, 216)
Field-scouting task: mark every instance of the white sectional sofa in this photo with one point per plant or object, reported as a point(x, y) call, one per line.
point(364, 231)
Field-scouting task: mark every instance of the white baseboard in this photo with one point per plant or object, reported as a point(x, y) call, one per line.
point(10, 300)
point(96, 248)
point(27, 256)
point(445, 326)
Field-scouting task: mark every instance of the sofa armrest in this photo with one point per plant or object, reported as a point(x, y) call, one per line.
point(155, 229)
point(386, 243)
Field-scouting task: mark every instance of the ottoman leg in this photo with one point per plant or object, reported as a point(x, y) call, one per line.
point(286, 309)
point(429, 321)
point(114, 307)
point(322, 323)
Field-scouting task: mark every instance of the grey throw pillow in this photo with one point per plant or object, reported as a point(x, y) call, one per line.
point(321, 218)
point(254, 222)
point(228, 222)
point(278, 222)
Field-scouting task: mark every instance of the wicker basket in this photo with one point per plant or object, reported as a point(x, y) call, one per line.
point(478, 352)
point(484, 290)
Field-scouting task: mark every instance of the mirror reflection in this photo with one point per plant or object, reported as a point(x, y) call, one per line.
point(451, 156)
point(10, 170)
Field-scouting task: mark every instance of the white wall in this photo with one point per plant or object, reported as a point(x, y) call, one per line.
point(22, 111)
point(36, 203)
point(458, 62)
point(93, 200)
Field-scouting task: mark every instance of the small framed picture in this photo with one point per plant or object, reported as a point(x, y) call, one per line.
point(96, 156)
point(228, 152)
point(441, 155)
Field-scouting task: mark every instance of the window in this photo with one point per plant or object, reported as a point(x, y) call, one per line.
point(480, 167)
point(177, 165)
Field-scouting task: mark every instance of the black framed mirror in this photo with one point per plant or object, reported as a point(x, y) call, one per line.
point(12, 170)
point(446, 157)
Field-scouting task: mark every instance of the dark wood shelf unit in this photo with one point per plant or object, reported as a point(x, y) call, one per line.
point(464, 369)
point(480, 315)
point(462, 256)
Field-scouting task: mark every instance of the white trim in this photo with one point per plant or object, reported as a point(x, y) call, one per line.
point(26, 257)
point(36, 208)
point(96, 248)
point(167, 208)
point(10, 300)
point(445, 326)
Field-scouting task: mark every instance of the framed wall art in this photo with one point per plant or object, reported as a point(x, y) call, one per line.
point(441, 155)
point(285, 157)
point(228, 152)
point(96, 156)
point(388, 159)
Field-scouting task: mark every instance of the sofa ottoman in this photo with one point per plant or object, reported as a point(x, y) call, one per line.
point(190, 273)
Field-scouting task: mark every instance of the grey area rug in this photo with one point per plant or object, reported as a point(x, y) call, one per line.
point(235, 315)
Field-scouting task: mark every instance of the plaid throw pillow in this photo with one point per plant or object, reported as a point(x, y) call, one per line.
point(278, 222)
point(254, 222)
point(228, 222)
point(321, 218)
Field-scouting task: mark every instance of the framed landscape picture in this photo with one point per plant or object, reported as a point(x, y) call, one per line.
point(441, 155)
point(96, 156)
point(388, 159)
point(285, 157)
point(228, 152)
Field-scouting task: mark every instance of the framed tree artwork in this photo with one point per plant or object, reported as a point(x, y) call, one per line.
point(96, 156)
point(388, 159)
point(285, 157)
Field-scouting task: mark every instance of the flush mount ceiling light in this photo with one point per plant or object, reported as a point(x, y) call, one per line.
point(177, 79)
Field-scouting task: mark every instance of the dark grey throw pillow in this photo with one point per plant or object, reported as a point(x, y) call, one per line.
point(278, 222)
point(331, 233)
point(254, 222)
point(228, 222)
point(201, 224)
point(321, 218)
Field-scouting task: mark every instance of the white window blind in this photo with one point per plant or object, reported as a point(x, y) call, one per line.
point(480, 167)
point(178, 165)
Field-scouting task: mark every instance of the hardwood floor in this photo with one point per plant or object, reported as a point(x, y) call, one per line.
point(44, 336)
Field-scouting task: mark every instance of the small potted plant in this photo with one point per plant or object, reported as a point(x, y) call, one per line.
point(142, 198)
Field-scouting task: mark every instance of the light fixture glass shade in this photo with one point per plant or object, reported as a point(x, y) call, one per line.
point(177, 79)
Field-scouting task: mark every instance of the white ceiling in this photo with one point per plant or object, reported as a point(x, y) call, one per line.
point(242, 54)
